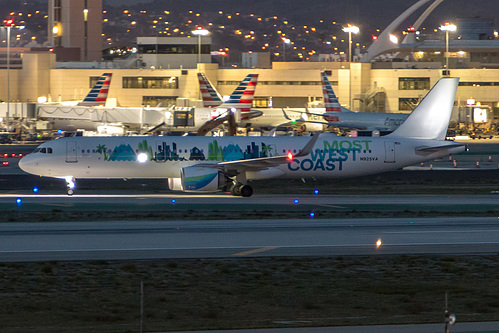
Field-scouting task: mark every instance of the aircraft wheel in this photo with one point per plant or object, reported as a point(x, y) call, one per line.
point(246, 191)
point(235, 189)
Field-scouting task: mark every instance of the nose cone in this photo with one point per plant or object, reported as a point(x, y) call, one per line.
point(27, 164)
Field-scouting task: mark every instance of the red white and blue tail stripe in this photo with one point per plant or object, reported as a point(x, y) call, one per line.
point(98, 95)
point(330, 100)
point(211, 98)
point(242, 97)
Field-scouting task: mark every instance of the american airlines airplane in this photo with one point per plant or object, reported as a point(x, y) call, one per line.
point(210, 164)
point(98, 95)
point(269, 117)
point(211, 97)
point(90, 115)
point(338, 116)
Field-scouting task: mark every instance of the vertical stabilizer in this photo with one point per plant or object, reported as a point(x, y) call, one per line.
point(242, 97)
point(211, 98)
point(330, 100)
point(98, 94)
point(430, 119)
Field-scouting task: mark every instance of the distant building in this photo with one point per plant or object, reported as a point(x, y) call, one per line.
point(256, 60)
point(174, 52)
point(76, 25)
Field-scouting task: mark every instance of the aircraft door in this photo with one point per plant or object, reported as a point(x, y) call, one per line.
point(71, 155)
point(183, 118)
point(389, 152)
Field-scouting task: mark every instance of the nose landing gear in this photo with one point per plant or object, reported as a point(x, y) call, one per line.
point(70, 183)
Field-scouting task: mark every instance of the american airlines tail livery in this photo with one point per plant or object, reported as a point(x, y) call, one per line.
point(98, 95)
point(210, 164)
point(338, 116)
point(211, 97)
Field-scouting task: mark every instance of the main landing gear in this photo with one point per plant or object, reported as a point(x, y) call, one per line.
point(239, 189)
point(70, 183)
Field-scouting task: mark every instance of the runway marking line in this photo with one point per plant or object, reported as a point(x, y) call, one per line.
point(263, 249)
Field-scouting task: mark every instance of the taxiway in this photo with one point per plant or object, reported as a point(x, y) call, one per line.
point(244, 238)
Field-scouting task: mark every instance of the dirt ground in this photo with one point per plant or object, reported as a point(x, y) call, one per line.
point(104, 296)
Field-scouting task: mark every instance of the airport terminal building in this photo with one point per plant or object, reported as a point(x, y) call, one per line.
point(163, 71)
point(365, 87)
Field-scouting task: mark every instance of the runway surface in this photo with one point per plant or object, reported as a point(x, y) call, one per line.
point(481, 327)
point(245, 238)
point(225, 204)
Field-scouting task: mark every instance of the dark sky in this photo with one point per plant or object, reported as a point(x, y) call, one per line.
point(374, 12)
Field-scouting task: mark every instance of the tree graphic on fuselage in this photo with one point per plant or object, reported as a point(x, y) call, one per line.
point(101, 149)
point(215, 152)
point(145, 148)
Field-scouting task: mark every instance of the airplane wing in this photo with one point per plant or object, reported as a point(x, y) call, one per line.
point(328, 123)
point(431, 149)
point(262, 162)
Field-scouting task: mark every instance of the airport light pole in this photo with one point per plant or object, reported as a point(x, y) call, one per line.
point(200, 32)
point(85, 31)
point(284, 42)
point(350, 29)
point(447, 27)
point(8, 24)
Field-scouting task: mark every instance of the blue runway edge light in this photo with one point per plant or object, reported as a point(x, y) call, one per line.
point(19, 201)
point(312, 214)
point(316, 191)
point(35, 190)
point(296, 201)
point(173, 200)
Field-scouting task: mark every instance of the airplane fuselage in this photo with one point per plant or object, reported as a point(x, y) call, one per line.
point(164, 157)
point(366, 120)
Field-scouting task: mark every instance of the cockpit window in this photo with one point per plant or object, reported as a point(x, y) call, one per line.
point(43, 150)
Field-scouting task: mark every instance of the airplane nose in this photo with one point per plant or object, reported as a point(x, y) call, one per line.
point(26, 164)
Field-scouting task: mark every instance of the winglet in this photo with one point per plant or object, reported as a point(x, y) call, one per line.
point(286, 115)
point(307, 149)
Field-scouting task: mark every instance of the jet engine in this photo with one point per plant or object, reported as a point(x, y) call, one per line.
point(202, 179)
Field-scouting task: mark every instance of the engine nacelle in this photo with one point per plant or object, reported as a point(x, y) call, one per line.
point(175, 184)
point(202, 179)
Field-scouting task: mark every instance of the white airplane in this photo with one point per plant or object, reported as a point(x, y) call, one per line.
point(93, 118)
point(269, 118)
point(338, 116)
point(208, 164)
point(237, 108)
point(96, 97)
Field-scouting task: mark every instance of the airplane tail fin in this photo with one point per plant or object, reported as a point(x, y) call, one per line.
point(211, 98)
point(98, 94)
point(330, 100)
point(430, 118)
point(242, 97)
